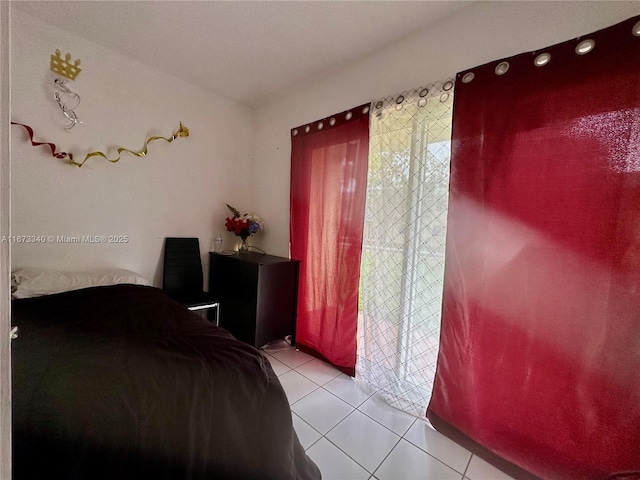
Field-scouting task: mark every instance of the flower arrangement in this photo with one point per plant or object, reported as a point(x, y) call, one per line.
point(243, 225)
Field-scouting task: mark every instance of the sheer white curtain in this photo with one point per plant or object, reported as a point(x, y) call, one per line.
point(403, 245)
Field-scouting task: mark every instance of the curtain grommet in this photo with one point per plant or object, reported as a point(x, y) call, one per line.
point(502, 68)
point(542, 59)
point(466, 78)
point(585, 46)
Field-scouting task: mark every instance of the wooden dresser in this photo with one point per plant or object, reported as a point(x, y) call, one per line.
point(258, 295)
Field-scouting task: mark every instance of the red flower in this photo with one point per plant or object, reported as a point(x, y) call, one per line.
point(238, 226)
point(242, 225)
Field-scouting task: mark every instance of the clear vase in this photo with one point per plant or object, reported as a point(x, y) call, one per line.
point(243, 246)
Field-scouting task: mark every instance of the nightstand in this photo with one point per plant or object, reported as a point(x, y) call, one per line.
point(258, 295)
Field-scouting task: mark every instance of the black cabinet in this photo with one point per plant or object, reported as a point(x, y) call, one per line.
point(258, 295)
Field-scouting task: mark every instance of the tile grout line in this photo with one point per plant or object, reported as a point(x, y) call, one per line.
point(332, 428)
point(304, 396)
point(386, 456)
point(358, 406)
point(436, 458)
point(464, 475)
point(292, 368)
point(310, 426)
point(342, 420)
point(310, 379)
point(401, 437)
point(296, 350)
point(431, 454)
point(356, 462)
point(338, 447)
point(321, 437)
point(381, 424)
point(316, 440)
point(354, 408)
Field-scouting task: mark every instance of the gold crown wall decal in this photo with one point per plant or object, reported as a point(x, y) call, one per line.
point(64, 66)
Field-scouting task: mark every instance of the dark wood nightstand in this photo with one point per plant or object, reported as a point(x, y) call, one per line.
point(258, 295)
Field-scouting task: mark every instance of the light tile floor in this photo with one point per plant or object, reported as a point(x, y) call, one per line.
point(351, 434)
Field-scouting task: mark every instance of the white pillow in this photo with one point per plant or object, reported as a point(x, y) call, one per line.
point(34, 282)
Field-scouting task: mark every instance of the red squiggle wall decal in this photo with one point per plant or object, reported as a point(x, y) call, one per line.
point(182, 131)
point(52, 146)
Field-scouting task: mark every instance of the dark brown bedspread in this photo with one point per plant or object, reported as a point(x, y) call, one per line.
point(121, 382)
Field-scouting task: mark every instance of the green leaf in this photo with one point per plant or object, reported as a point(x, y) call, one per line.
point(235, 212)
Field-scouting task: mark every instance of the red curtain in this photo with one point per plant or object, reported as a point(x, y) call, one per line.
point(328, 190)
point(539, 366)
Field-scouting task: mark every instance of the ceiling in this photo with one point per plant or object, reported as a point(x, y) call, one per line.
point(245, 50)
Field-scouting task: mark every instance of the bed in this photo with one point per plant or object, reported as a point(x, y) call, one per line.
point(121, 382)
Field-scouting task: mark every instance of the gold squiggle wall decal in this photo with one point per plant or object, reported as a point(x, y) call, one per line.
point(181, 132)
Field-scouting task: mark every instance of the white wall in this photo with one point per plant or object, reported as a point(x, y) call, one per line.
point(479, 34)
point(5, 306)
point(178, 189)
